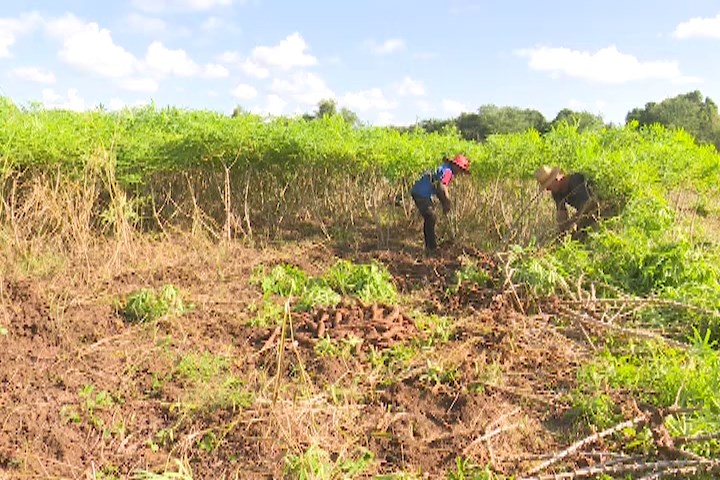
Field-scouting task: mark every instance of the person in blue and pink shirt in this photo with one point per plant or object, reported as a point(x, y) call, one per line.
point(435, 183)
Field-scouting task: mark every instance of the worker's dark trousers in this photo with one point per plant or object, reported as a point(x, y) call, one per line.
point(427, 210)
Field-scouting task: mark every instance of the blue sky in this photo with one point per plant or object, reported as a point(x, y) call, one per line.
point(390, 61)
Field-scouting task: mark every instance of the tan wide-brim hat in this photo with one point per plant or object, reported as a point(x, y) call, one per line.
point(545, 175)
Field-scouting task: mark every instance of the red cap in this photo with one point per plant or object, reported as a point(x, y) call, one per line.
point(462, 162)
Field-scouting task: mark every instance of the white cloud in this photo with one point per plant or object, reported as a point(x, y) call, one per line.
point(146, 85)
point(254, 70)
point(686, 80)
point(211, 24)
point(10, 28)
point(607, 65)
point(274, 105)
point(216, 24)
point(66, 26)
point(72, 101)
point(116, 104)
point(388, 46)
point(90, 48)
point(454, 107)
point(157, 6)
point(164, 61)
point(372, 99)
point(304, 87)
point(250, 67)
point(384, 119)
point(289, 53)
point(425, 56)
point(161, 61)
point(699, 28)
point(228, 57)
point(142, 23)
point(244, 92)
point(408, 86)
point(214, 70)
point(34, 74)
point(576, 105)
point(424, 106)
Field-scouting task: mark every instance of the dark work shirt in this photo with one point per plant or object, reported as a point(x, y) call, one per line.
point(575, 193)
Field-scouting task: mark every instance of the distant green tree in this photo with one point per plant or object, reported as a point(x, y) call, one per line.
point(239, 111)
point(688, 111)
point(433, 125)
point(471, 126)
point(327, 107)
point(511, 119)
point(489, 120)
point(350, 116)
point(583, 120)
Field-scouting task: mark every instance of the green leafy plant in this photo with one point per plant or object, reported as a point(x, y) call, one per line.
point(315, 464)
point(465, 469)
point(541, 275)
point(437, 328)
point(92, 404)
point(597, 410)
point(369, 282)
point(267, 314)
point(437, 374)
point(469, 274)
point(663, 376)
point(317, 293)
point(182, 472)
point(201, 367)
point(326, 347)
point(284, 280)
point(147, 305)
point(209, 385)
point(391, 360)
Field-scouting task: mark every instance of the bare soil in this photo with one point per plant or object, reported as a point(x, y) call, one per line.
point(86, 394)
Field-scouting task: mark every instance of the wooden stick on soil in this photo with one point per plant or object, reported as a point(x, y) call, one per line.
point(513, 290)
point(636, 332)
point(281, 349)
point(489, 435)
point(657, 469)
point(586, 441)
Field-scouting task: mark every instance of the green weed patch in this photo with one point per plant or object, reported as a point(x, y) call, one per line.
point(146, 305)
point(369, 282)
point(661, 376)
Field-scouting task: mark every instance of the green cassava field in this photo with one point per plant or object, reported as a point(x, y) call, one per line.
point(185, 294)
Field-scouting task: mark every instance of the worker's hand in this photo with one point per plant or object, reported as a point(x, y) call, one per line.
point(446, 208)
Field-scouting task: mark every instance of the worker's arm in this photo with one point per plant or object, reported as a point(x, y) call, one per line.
point(444, 197)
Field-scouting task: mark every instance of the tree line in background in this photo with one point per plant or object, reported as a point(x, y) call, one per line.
point(691, 112)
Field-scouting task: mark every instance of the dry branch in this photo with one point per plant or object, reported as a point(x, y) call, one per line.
point(657, 469)
point(489, 435)
point(635, 332)
point(586, 441)
point(697, 438)
point(646, 302)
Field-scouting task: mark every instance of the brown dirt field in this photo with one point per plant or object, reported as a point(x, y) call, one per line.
point(86, 394)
